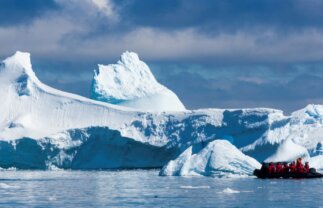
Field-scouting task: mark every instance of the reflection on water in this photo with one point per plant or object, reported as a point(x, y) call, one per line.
point(142, 188)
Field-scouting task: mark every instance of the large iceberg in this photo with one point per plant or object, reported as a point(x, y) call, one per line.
point(41, 127)
point(130, 83)
point(217, 158)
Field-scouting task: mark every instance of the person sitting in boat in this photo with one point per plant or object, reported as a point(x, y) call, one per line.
point(299, 166)
point(307, 167)
point(264, 168)
point(299, 161)
point(286, 167)
point(271, 168)
point(279, 168)
point(292, 167)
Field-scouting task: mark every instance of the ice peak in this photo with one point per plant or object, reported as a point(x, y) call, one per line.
point(129, 79)
point(19, 58)
point(19, 64)
point(17, 71)
point(131, 83)
point(129, 58)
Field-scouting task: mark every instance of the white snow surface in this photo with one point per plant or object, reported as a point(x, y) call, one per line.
point(316, 162)
point(30, 108)
point(288, 151)
point(230, 191)
point(218, 158)
point(130, 83)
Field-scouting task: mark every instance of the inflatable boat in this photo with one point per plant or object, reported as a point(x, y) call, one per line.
point(264, 174)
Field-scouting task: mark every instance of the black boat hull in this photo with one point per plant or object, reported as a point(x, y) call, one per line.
point(311, 174)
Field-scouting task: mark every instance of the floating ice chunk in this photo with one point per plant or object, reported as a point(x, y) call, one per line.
point(8, 186)
point(218, 158)
point(195, 187)
point(230, 191)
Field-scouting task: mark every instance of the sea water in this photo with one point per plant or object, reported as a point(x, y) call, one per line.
point(142, 188)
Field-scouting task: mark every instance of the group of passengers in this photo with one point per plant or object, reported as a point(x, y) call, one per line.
point(280, 168)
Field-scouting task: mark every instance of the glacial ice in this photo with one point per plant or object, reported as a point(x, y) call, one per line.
point(83, 149)
point(130, 83)
point(288, 151)
point(44, 128)
point(217, 158)
point(316, 162)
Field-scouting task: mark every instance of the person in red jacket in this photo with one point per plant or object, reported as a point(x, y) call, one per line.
point(299, 166)
point(286, 168)
point(292, 167)
point(271, 168)
point(307, 168)
point(279, 168)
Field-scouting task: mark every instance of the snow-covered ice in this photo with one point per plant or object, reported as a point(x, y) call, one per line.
point(44, 128)
point(230, 191)
point(288, 151)
point(218, 158)
point(130, 83)
point(316, 162)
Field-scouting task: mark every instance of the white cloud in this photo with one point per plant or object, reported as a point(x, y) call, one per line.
point(106, 7)
point(61, 34)
point(42, 38)
point(189, 44)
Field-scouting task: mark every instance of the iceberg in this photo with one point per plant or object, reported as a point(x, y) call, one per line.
point(41, 127)
point(130, 83)
point(218, 158)
point(45, 128)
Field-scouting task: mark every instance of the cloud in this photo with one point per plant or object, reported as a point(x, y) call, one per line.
point(197, 91)
point(218, 15)
point(189, 45)
point(41, 38)
point(167, 33)
point(15, 12)
point(57, 37)
point(106, 7)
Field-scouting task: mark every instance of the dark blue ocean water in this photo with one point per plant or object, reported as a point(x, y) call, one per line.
point(142, 188)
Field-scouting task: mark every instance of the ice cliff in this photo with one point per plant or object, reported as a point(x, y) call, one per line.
point(42, 128)
point(130, 83)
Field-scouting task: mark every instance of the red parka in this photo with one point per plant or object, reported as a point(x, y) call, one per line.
point(292, 167)
point(307, 168)
point(271, 168)
point(286, 168)
point(279, 168)
point(299, 166)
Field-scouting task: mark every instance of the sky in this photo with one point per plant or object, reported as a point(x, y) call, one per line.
point(211, 53)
